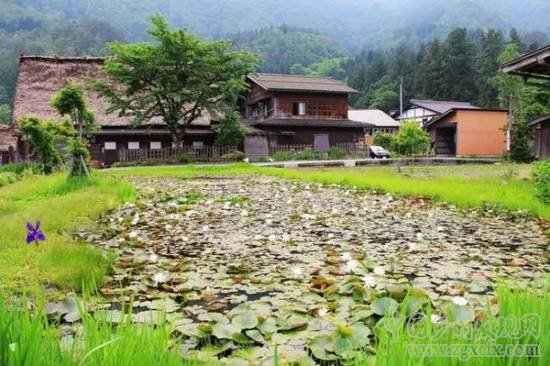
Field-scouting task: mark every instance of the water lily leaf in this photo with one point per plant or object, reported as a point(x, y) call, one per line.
point(114, 316)
point(397, 291)
point(166, 304)
point(148, 317)
point(268, 326)
point(360, 315)
point(246, 320)
point(72, 317)
point(414, 304)
point(460, 313)
point(242, 339)
point(213, 317)
point(255, 335)
point(225, 331)
point(190, 330)
point(322, 348)
point(383, 306)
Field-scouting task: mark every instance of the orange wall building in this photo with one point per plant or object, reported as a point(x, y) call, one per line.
point(469, 132)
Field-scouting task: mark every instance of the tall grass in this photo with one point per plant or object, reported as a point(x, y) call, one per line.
point(31, 339)
point(403, 347)
point(479, 186)
point(62, 206)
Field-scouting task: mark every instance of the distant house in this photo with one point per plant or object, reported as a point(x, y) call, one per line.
point(379, 121)
point(40, 78)
point(535, 65)
point(423, 111)
point(9, 138)
point(297, 110)
point(469, 132)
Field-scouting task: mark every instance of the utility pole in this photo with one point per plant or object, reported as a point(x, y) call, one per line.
point(510, 123)
point(401, 100)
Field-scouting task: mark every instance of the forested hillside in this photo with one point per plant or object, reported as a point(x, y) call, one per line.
point(368, 42)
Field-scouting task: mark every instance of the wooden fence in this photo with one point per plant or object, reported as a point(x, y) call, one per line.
point(351, 148)
point(204, 153)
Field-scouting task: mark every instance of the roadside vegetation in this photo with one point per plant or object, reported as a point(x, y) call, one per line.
point(493, 187)
point(62, 205)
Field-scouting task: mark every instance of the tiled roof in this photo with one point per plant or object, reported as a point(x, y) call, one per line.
point(282, 82)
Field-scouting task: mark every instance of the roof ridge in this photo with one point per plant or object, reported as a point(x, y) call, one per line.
point(300, 76)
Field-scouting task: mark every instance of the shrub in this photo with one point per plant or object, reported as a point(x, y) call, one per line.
point(234, 156)
point(283, 155)
point(42, 141)
point(21, 168)
point(336, 153)
point(80, 158)
point(411, 140)
point(383, 139)
point(306, 155)
point(7, 178)
point(184, 159)
point(541, 180)
point(230, 132)
point(520, 151)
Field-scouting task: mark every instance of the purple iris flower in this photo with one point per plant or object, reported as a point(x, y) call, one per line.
point(34, 234)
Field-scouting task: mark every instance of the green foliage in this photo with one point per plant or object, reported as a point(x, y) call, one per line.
point(70, 101)
point(383, 139)
point(234, 156)
point(284, 48)
point(411, 140)
point(5, 114)
point(7, 178)
point(23, 168)
point(521, 150)
point(330, 67)
point(541, 180)
point(230, 132)
point(80, 158)
point(28, 338)
point(63, 205)
point(42, 141)
point(176, 78)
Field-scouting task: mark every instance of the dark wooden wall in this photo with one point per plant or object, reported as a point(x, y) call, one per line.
point(320, 106)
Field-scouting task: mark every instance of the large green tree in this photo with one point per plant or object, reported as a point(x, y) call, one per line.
point(491, 46)
point(175, 79)
point(460, 70)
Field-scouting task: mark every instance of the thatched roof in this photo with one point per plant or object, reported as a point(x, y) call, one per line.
point(375, 117)
point(300, 83)
point(8, 137)
point(41, 77)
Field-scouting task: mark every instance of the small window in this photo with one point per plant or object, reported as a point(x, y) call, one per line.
point(156, 145)
point(110, 145)
point(298, 109)
point(198, 144)
point(133, 145)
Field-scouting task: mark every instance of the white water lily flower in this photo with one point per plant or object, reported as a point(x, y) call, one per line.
point(268, 222)
point(419, 235)
point(380, 270)
point(413, 247)
point(335, 211)
point(184, 238)
point(346, 256)
point(244, 213)
point(160, 277)
point(322, 312)
point(168, 227)
point(153, 258)
point(459, 300)
point(135, 220)
point(350, 266)
point(205, 228)
point(330, 236)
point(272, 237)
point(435, 318)
point(440, 228)
point(133, 235)
point(286, 237)
point(297, 272)
point(369, 281)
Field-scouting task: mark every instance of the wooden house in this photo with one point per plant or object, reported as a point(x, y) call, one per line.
point(423, 111)
point(297, 110)
point(535, 65)
point(378, 122)
point(40, 78)
point(469, 132)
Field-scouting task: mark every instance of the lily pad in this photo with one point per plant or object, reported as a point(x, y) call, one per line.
point(225, 331)
point(383, 306)
point(246, 320)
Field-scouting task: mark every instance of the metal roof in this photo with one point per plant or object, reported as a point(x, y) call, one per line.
point(374, 117)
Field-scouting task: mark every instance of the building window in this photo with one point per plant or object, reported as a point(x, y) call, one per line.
point(156, 145)
point(198, 144)
point(110, 146)
point(133, 145)
point(298, 109)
